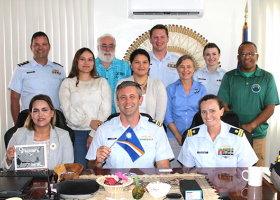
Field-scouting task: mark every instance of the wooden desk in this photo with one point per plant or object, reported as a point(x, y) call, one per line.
point(224, 180)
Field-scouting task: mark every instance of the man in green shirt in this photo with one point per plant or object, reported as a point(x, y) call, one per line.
point(251, 93)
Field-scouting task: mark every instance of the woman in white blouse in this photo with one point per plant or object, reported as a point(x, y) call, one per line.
point(86, 100)
point(153, 90)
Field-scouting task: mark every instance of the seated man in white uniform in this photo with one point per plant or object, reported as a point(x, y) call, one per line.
point(215, 143)
point(150, 133)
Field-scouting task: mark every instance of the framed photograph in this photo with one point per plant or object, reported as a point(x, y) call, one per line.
point(30, 156)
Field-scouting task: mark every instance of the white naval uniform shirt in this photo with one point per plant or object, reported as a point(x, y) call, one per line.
point(164, 70)
point(152, 137)
point(228, 149)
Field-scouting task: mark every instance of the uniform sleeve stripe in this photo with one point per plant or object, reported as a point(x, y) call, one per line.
point(240, 133)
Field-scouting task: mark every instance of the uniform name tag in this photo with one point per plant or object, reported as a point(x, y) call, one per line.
point(30, 72)
point(202, 152)
point(111, 138)
point(201, 78)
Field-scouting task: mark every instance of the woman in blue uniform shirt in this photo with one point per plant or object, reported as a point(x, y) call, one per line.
point(212, 74)
point(215, 143)
point(183, 96)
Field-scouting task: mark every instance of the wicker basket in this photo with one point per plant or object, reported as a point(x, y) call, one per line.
point(114, 189)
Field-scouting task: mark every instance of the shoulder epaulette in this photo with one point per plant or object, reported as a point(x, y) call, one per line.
point(192, 132)
point(236, 131)
point(57, 64)
point(155, 122)
point(23, 63)
point(103, 122)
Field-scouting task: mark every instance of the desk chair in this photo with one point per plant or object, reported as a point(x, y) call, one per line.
point(60, 122)
point(228, 117)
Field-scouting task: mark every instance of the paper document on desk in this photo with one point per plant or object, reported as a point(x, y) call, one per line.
point(266, 174)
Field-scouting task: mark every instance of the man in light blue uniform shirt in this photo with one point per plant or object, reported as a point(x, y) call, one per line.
point(108, 66)
point(149, 132)
point(37, 76)
point(163, 63)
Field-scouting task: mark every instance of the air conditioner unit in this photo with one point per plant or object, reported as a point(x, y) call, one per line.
point(165, 9)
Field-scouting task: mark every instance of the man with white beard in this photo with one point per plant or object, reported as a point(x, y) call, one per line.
point(108, 66)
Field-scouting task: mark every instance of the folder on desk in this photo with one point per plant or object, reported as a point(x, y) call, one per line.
point(13, 186)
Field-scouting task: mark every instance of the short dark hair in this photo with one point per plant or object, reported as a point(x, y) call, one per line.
point(158, 26)
point(126, 84)
point(38, 34)
point(209, 97)
point(211, 45)
point(184, 57)
point(247, 42)
point(29, 124)
point(139, 52)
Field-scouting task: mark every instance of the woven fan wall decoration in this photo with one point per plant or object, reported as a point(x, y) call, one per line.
point(182, 41)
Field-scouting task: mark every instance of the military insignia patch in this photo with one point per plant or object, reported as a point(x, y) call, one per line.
point(57, 64)
point(236, 131)
point(55, 71)
point(146, 138)
point(225, 151)
point(256, 88)
point(172, 65)
point(192, 132)
point(23, 63)
point(102, 123)
point(196, 91)
point(156, 122)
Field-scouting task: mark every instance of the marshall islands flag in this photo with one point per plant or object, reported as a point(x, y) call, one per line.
point(130, 142)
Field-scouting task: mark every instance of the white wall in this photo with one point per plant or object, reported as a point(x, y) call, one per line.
point(222, 24)
point(72, 24)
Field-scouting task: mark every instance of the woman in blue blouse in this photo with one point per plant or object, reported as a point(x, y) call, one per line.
point(183, 96)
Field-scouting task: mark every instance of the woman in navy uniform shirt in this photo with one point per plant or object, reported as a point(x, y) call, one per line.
point(215, 143)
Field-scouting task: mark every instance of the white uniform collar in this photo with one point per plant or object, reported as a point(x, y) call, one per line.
point(223, 133)
point(224, 130)
point(206, 69)
point(167, 56)
point(141, 123)
point(33, 63)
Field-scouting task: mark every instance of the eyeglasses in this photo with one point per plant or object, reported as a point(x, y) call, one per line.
point(250, 54)
point(110, 46)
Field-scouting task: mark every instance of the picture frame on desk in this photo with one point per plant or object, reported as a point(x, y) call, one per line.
point(30, 157)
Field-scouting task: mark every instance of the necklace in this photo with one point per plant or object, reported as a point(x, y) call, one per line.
point(145, 87)
point(143, 83)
